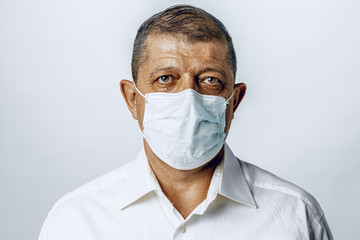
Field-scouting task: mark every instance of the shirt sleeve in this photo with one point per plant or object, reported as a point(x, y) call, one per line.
point(320, 229)
point(49, 230)
point(43, 234)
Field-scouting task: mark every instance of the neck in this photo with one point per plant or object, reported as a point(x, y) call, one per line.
point(186, 189)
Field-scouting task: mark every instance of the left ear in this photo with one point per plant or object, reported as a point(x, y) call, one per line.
point(129, 93)
point(239, 93)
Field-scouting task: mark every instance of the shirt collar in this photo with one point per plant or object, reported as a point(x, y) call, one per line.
point(233, 184)
point(140, 181)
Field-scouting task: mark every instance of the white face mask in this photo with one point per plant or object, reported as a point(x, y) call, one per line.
point(184, 129)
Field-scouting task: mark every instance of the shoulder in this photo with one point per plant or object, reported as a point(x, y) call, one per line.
point(281, 201)
point(272, 186)
point(104, 189)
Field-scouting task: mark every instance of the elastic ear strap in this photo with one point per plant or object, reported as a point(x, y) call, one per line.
point(138, 91)
point(143, 97)
point(227, 101)
point(142, 133)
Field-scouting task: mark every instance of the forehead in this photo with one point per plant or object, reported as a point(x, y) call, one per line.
point(166, 49)
point(178, 44)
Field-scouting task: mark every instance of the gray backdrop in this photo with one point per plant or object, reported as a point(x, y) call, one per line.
point(63, 121)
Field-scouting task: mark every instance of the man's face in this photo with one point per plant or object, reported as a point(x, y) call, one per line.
point(174, 65)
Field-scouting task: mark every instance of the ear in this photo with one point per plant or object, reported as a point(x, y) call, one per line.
point(239, 93)
point(129, 93)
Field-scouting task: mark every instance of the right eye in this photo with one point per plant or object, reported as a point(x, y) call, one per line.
point(164, 79)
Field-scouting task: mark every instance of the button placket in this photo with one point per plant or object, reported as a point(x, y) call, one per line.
point(182, 229)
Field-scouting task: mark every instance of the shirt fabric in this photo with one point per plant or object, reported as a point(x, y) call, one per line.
point(243, 202)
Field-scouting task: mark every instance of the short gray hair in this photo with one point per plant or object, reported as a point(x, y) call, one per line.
point(186, 21)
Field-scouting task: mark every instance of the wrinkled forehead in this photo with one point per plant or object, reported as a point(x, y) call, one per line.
point(167, 42)
point(188, 39)
point(176, 46)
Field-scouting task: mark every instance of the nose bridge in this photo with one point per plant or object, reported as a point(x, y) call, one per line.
point(188, 81)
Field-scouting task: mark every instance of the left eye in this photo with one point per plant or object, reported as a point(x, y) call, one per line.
point(211, 80)
point(165, 79)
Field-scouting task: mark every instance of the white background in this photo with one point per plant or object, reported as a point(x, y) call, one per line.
point(63, 121)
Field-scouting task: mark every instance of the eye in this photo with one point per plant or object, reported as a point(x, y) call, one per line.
point(164, 79)
point(211, 80)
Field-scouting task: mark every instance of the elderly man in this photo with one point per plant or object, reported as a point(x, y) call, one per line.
point(185, 183)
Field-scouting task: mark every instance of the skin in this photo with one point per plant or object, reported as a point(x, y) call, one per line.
point(174, 65)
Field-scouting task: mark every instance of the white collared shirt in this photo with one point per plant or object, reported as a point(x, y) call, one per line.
point(244, 202)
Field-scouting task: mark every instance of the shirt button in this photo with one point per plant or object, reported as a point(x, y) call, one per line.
point(182, 229)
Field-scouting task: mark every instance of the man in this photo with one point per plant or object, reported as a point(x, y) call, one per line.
point(185, 183)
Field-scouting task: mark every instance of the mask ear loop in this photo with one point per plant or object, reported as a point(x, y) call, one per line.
point(227, 101)
point(139, 91)
point(142, 133)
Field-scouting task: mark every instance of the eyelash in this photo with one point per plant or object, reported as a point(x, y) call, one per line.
point(169, 78)
point(212, 78)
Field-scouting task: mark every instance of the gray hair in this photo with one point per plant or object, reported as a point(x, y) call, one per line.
point(186, 21)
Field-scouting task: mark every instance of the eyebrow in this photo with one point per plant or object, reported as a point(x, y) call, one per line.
point(161, 69)
point(171, 68)
point(211, 69)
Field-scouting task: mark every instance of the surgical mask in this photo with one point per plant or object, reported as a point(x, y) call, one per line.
point(184, 129)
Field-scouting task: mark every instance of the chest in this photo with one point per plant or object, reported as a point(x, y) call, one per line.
point(153, 219)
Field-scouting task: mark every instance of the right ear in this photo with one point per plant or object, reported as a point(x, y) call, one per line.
point(129, 93)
